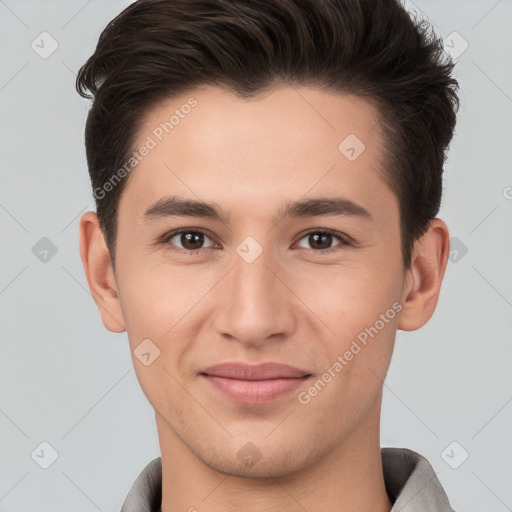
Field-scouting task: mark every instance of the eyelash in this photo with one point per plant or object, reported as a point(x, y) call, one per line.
point(344, 239)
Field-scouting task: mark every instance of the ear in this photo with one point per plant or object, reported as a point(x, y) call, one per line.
point(424, 277)
point(100, 273)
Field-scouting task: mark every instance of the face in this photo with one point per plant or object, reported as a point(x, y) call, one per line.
point(294, 260)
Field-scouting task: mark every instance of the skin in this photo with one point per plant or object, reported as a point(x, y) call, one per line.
point(292, 305)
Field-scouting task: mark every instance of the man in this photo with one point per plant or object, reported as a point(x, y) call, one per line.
point(267, 177)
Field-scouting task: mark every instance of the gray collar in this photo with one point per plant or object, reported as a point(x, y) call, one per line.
point(410, 480)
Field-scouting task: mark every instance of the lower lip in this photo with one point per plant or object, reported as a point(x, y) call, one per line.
point(254, 391)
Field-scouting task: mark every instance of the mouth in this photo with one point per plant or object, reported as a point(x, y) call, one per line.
point(254, 384)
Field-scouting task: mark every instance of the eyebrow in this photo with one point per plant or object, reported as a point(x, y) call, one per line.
point(176, 206)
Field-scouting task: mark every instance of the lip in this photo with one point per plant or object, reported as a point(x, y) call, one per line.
point(254, 384)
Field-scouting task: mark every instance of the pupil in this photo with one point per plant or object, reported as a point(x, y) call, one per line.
point(188, 238)
point(316, 237)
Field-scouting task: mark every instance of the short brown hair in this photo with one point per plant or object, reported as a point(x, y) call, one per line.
point(156, 49)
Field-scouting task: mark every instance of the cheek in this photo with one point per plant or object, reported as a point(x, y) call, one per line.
point(167, 305)
point(359, 309)
point(349, 297)
point(155, 303)
point(155, 297)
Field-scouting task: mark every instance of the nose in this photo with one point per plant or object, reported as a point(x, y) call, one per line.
point(257, 305)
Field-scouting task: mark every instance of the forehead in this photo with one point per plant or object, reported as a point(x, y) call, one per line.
point(280, 146)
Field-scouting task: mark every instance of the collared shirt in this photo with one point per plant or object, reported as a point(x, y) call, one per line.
point(410, 480)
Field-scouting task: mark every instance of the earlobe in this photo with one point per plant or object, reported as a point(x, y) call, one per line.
point(425, 276)
point(99, 272)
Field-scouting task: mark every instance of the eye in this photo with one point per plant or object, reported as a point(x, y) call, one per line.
point(191, 240)
point(321, 240)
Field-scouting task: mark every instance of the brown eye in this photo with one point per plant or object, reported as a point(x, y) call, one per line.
point(188, 240)
point(323, 240)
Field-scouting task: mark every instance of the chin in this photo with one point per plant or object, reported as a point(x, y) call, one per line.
point(249, 462)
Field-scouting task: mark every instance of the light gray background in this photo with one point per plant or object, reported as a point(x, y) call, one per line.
point(68, 381)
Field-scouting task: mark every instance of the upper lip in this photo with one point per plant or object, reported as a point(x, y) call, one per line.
point(262, 371)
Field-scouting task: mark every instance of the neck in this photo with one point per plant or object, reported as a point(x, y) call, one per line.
point(348, 478)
